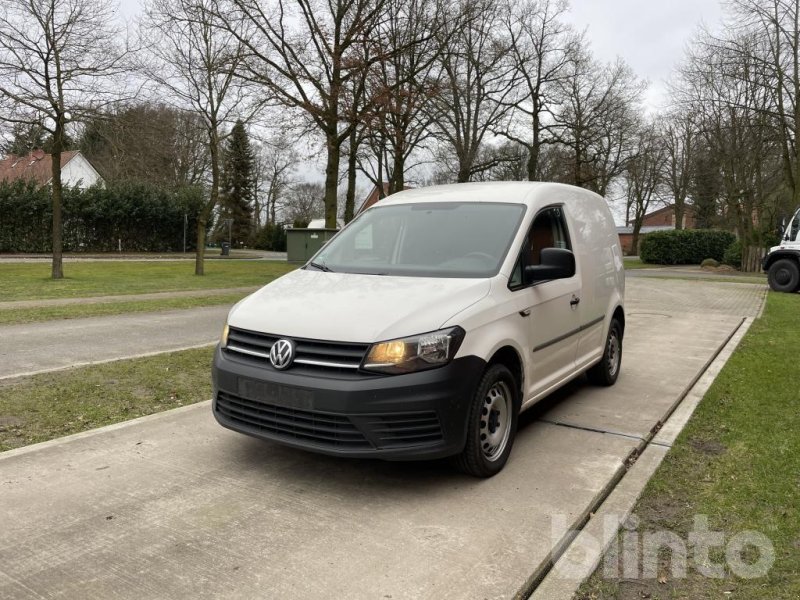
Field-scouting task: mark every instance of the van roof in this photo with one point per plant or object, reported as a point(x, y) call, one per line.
point(518, 192)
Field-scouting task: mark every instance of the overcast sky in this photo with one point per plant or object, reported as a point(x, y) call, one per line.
point(649, 34)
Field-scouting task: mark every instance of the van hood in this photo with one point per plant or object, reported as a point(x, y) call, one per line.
point(352, 307)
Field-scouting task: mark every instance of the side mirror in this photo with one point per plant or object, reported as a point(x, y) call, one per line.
point(556, 263)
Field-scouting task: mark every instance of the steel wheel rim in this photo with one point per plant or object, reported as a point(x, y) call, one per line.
point(614, 354)
point(495, 421)
point(782, 277)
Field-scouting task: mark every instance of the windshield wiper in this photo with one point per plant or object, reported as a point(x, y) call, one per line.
point(321, 267)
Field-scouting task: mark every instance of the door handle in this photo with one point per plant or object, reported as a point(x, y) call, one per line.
point(575, 301)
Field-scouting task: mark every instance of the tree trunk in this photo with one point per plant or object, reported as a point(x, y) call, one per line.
point(397, 183)
point(350, 198)
point(331, 178)
point(200, 253)
point(533, 152)
point(637, 227)
point(679, 211)
point(57, 193)
point(205, 214)
point(463, 171)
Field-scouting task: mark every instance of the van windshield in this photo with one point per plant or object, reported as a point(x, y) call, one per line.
point(445, 239)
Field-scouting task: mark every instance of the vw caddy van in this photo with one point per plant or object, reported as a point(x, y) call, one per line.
point(425, 326)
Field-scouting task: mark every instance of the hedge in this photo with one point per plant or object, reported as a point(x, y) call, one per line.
point(685, 246)
point(139, 216)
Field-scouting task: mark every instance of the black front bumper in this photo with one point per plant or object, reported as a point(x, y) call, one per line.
point(413, 416)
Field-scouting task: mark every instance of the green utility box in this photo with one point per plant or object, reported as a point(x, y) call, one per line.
point(302, 244)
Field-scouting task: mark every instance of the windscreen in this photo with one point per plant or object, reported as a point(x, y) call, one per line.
point(448, 239)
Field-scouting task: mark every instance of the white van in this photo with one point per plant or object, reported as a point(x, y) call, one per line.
point(428, 324)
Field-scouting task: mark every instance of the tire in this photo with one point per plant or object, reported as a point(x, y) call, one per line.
point(491, 424)
point(607, 370)
point(784, 275)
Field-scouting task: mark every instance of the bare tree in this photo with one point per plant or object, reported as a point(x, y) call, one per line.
point(728, 87)
point(598, 119)
point(306, 53)
point(195, 60)
point(59, 61)
point(402, 87)
point(147, 142)
point(769, 40)
point(304, 202)
point(643, 177)
point(541, 45)
point(679, 134)
point(478, 77)
point(275, 165)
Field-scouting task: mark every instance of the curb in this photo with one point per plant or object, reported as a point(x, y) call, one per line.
point(575, 559)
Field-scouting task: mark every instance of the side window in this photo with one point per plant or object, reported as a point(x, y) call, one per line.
point(795, 229)
point(548, 230)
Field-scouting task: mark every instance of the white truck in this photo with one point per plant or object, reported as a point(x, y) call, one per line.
point(425, 326)
point(782, 263)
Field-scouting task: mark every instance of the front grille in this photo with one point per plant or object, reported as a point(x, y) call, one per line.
point(361, 431)
point(404, 429)
point(310, 426)
point(252, 346)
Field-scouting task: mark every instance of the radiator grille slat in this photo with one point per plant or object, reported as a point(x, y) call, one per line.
point(342, 358)
point(325, 429)
point(363, 431)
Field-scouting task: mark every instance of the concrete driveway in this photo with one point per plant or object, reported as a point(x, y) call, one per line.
point(175, 506)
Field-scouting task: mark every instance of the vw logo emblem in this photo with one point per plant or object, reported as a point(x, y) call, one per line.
point(281, 354)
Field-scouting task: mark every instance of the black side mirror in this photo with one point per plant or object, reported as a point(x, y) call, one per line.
point(556, 263)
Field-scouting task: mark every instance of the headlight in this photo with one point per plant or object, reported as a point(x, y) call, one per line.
point(223, 340)
point(416, 353)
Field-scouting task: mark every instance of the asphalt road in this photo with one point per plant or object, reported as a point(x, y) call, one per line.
point(174, 506)
point(50, 345)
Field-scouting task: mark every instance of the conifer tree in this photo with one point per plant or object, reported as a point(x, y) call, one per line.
point(238, 189)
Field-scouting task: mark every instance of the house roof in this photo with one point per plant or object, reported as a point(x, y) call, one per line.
point(374, 196)
point(623, 229)
point(36, 166)
point(320, 224)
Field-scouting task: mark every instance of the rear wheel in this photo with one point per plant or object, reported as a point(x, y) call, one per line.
point(784, 275)
point(607, 370)
point(491, 425)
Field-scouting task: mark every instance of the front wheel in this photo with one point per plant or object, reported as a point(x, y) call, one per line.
point(607, 370)
point(492, 423)
point(784, 276)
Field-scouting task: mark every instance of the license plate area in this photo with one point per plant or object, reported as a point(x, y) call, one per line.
point(274, 393)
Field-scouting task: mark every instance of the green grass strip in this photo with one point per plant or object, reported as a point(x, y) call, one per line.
point(738, 462)
point(51, 405)
point(31, 281)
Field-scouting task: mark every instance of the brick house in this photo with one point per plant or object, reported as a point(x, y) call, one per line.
point(665, 216)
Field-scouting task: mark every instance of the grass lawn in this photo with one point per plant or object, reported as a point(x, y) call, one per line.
point(52, 405)
point(74, 311)
point(31, 281)
point(738, 462)
point(635, 263)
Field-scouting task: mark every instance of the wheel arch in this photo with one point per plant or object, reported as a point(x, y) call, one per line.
point(772, 257)
point(619, 315)
point(510, 358)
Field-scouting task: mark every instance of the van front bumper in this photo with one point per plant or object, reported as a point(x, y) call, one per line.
point(419, 415)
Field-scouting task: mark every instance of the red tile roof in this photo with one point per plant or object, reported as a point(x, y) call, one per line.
point(36, 166)
point(374, 196)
